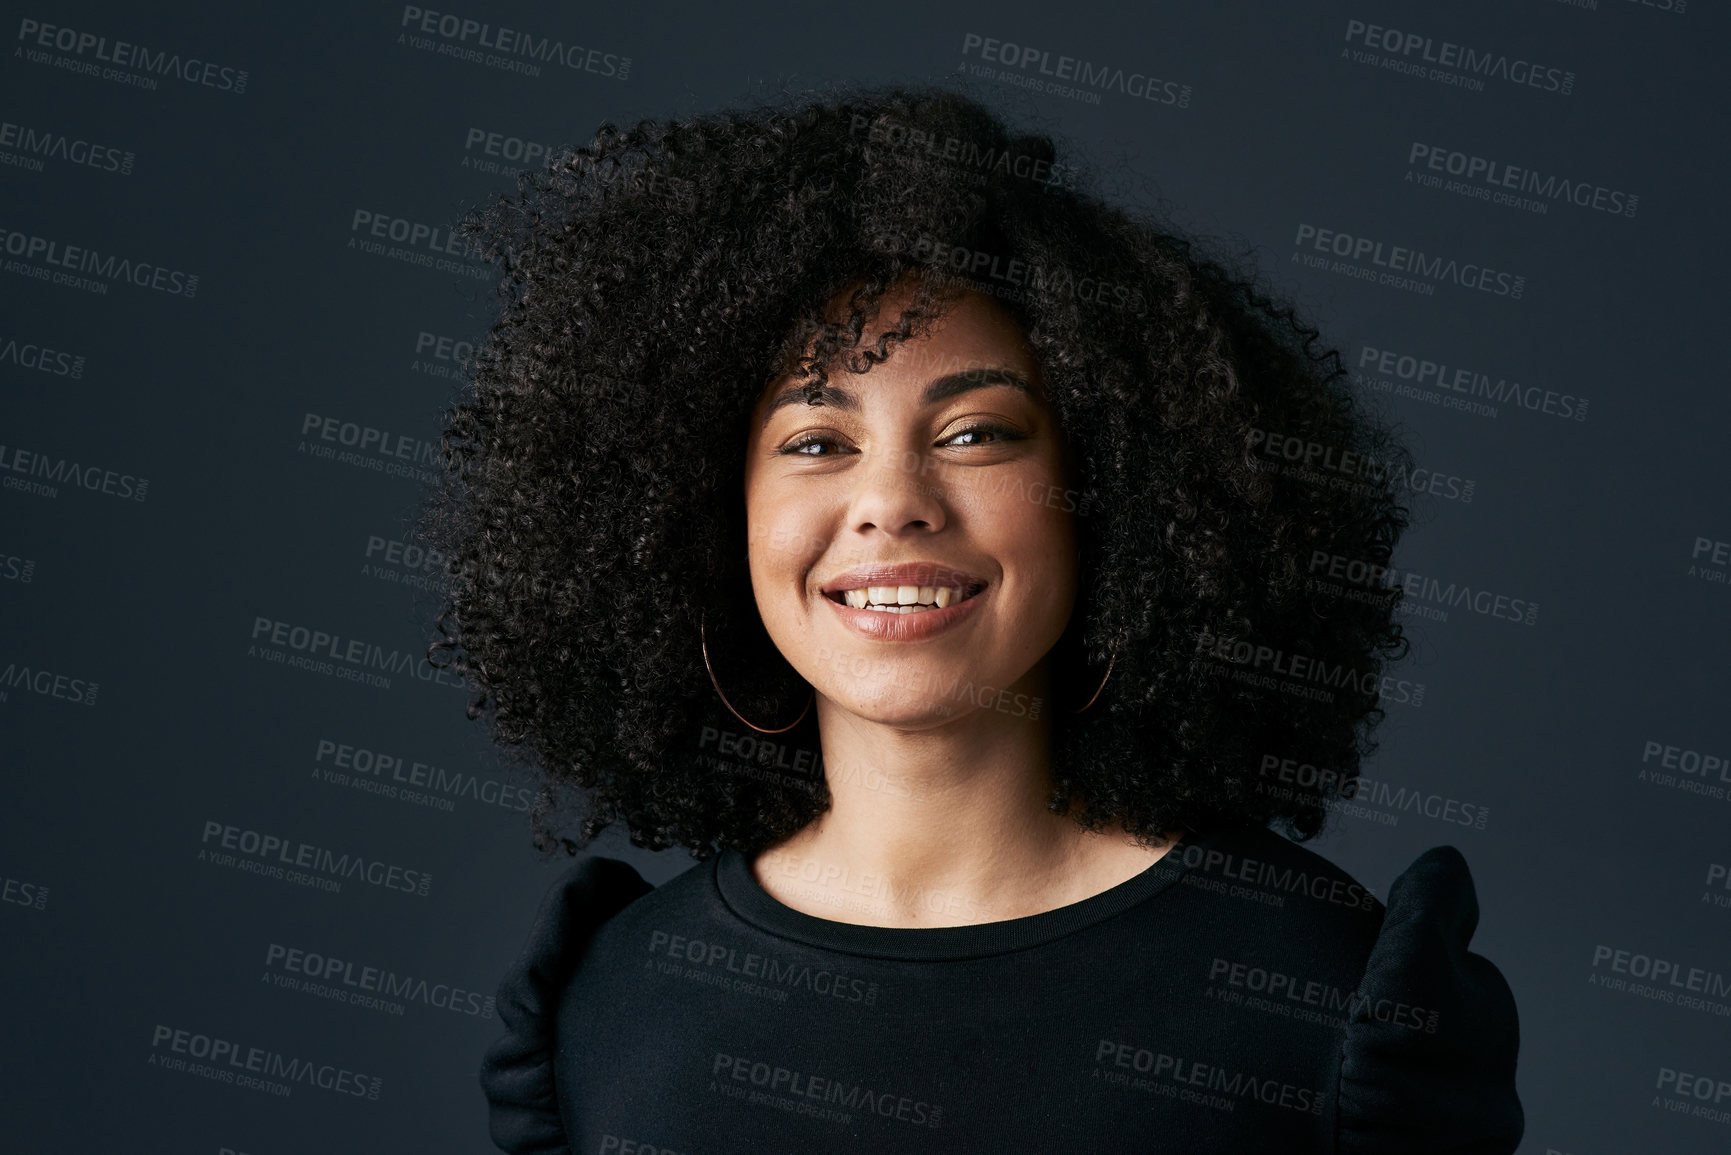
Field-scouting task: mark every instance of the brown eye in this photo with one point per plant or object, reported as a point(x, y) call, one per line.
point(985, 434)
point(800, 445)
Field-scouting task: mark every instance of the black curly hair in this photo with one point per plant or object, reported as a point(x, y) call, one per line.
point(654, 282)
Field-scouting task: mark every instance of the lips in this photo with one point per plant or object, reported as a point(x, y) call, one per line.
point(908, 602)
point(907, 587)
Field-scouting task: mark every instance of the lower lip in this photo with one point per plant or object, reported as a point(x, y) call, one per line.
point(916, 627)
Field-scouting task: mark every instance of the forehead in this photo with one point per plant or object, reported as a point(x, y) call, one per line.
point(974, 341)
point(968, 320)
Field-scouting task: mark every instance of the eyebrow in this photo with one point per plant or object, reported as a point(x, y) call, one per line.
point(940, 389)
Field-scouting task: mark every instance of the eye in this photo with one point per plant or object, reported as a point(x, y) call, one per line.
point(800, 445)
point(983, 434)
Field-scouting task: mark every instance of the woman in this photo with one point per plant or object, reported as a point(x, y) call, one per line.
point(851, 498)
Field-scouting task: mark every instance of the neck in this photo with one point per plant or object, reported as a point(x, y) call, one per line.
point(941, 826)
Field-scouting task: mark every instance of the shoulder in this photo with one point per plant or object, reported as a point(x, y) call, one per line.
point(1428, 1059)
point(517, 1072)
point(1264, 843)
point(1298, 893)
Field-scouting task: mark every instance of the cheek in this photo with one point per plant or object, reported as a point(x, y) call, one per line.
point(1053, 505)
point(781, 543)
point(1035, 529)
point(1031, 515)
point(1056, 564)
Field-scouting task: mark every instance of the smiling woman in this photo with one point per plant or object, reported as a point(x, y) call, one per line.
point(886, 529)
point(921, 580)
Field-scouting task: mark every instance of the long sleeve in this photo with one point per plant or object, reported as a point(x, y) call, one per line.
point(517, 1072)
point(1428, 1062)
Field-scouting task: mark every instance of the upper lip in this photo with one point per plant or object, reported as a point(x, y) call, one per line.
point(913, 573)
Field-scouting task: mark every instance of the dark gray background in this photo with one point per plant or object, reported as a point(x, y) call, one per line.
point(105, 804)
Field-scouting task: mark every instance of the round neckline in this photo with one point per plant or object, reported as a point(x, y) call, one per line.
point(747, 898)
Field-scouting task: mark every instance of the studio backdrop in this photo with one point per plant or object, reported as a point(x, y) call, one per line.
point(242, 815)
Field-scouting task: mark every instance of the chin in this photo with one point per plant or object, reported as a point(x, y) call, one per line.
point(930, 710)
point(905, 711)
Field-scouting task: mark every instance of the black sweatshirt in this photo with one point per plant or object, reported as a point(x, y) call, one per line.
point(1242, 994)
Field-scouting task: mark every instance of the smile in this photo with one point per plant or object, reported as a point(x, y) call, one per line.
point(905, 599)
point(911, 601)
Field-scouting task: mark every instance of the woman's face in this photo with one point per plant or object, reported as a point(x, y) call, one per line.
point(931, 488)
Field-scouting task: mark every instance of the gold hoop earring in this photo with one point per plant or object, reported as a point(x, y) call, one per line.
point(703, 641)
point(1110, 662)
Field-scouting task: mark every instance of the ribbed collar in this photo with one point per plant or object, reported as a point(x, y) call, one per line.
point(745, 896)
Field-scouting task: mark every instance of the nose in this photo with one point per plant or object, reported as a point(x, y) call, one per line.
point(898, 494)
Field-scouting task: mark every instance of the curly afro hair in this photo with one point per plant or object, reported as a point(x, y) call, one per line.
point(592, 510)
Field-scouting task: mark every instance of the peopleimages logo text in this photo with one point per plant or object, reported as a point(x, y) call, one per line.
point(108, 267)
point(513, 43)
point(229, 1061)
point(41, 358)
point(1084, 73)
point(37, 144)
point(288, 852)
point(66, 471)
point(316, 646)
point(1498, 176)
point(1459, 58)
point(325, 969)
point(1411, 261)
point(123, 54)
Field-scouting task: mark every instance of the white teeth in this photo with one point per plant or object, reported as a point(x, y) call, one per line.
point(904, 599)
